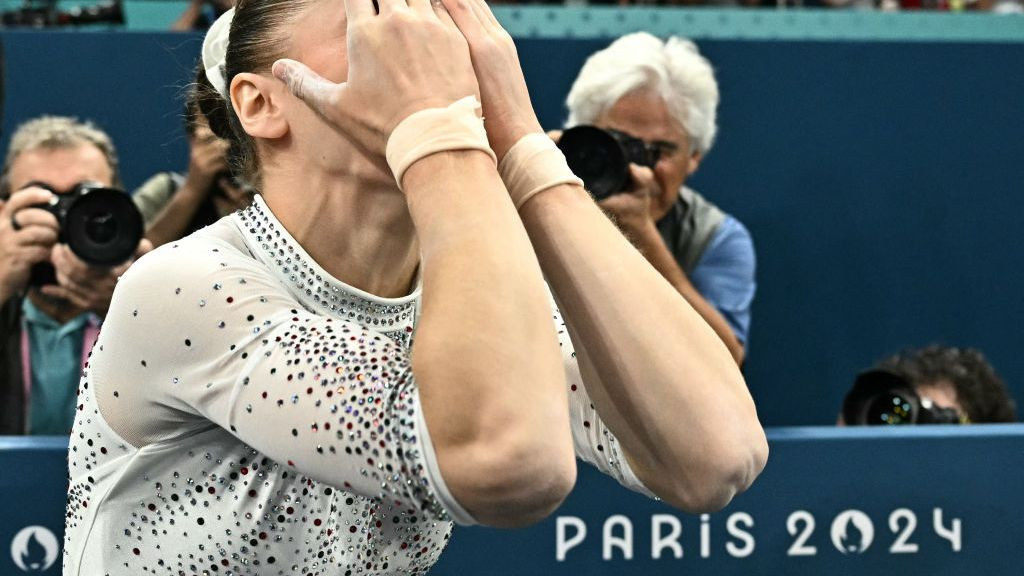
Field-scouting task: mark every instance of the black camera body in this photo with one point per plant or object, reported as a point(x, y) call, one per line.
point(100, 225)
point(601, 158)
point(880, 397)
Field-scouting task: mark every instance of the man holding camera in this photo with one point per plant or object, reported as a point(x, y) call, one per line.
point(661, 97)
point(52, 300)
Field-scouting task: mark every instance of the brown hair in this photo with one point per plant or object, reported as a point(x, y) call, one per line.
point(256, 40)
point(979, 389)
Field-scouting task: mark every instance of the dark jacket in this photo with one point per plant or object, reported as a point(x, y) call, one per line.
point(12, 389)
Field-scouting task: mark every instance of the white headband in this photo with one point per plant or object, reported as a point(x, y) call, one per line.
point(215, 52)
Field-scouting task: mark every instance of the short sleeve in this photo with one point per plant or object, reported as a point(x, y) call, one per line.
point(203, 335)
point(153, 195)
point(725, 275)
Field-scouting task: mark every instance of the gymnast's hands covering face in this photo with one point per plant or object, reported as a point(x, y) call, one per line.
point(508, 113)
point(408, 57)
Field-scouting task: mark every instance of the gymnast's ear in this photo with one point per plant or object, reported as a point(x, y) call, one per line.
point(257, 102)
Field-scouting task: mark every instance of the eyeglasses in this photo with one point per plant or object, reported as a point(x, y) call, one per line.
point(655, 150)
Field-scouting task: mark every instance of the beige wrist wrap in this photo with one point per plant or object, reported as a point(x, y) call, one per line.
point(533, 165)
point(456, 127)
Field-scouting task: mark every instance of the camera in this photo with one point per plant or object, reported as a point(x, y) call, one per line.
point(101, 225)
point(601, 158)
point(880, 397)
point(46, 14)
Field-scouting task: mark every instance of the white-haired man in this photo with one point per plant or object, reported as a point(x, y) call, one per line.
point(47, 329)
point(665, 93)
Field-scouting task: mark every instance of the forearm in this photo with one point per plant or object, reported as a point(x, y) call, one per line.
point(485, 356)
point(658, 375)
point(188, 18)
point(172, 221)
point(648, 240)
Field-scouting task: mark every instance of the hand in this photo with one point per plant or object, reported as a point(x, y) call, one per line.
point(407, 58)
point(508, 113)
point(631, 210)
point(21, 249)
point(233, 197)
point(84, 286)
point(207, 158)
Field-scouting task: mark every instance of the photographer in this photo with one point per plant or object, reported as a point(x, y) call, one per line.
point(931, 385)
point(52, 300)
point(174, 205)
point(665, 94)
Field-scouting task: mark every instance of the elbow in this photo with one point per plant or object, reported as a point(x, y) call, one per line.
point(515, 484)
point(727, 470)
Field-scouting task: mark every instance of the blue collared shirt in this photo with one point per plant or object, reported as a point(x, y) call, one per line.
point(55, 353)
point(724, 275)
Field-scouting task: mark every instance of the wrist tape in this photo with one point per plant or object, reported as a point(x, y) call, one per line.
point(456, 127)
point(533, 165)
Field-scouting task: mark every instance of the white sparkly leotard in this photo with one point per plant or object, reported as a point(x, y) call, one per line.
point(261, 417)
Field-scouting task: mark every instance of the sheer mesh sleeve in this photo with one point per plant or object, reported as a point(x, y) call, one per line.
point(206, 336)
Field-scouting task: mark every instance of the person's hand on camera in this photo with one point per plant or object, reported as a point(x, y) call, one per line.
point(84, 286)
point(508, 113)
point(406, 58)
point(631, 209)
point(207, 159)
point(233, 196)
point(26, 236)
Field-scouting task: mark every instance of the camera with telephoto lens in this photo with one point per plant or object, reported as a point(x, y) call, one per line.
point(881, 398)
point(101, 225)
point(601, 158)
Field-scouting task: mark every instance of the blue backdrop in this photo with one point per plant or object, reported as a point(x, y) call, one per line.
point(881, 181)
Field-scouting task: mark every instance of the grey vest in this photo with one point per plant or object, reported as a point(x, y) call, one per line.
point(689, 226)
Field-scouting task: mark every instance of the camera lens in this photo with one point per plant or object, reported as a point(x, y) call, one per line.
point(889, 409)
point(597, 158)
point(103, 226)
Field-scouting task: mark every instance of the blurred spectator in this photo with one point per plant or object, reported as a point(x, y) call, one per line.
point(173, 205)
point(936, 384)
point(199, 14)
point(665, 94)
point(48, 328)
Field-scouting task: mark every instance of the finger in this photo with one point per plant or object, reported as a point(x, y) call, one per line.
point(442, 12)
point(489, 15)
point(356, 10)
point(32, 218)
point(33, 254)
point(391, 6)
point(55, 291)
point(316, 91)
point(483, 13)
point(464, 17)
point(25, 198)
point(641, 174)
point(76, 298)
point(144, 246)
point(422, 7)
point(71, 266)
point(42, 236)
